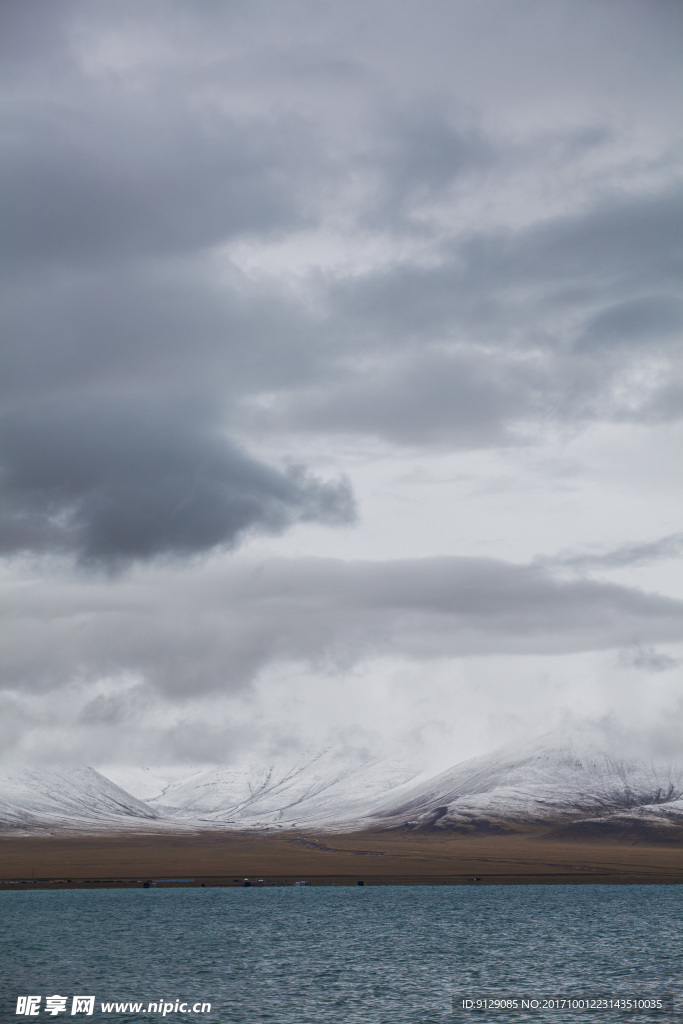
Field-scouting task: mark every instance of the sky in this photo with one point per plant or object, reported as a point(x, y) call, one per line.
point(342, 388)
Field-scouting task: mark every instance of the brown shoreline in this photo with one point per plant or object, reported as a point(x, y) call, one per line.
point(377, 858)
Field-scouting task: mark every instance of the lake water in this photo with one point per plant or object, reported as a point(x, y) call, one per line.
point(377, 955)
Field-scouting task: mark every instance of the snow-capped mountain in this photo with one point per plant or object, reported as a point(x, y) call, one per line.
point(659, 821)
point(67, 797)
point(568, 785)
point(317, 789)
point(148, 784)
point(549, 782)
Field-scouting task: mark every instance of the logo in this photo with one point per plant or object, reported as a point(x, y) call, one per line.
point(29, 1006)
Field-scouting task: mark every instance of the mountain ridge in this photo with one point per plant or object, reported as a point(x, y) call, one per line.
point(569, 787)
point(76, 797)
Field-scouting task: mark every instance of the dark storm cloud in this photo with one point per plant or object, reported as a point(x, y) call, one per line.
point(121, 482)
point(325, 613)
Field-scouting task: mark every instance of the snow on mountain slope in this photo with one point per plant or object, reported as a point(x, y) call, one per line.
point(317, 788)
point(148, 783)
point(551, 781)
point(651, 822)
point(566, 783)
point(68, 797)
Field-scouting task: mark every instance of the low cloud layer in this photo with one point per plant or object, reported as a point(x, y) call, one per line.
point(217, 629)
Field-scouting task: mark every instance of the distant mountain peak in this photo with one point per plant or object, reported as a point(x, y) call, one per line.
point(557, 781)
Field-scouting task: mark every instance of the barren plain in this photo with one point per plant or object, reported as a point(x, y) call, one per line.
point(375, 858)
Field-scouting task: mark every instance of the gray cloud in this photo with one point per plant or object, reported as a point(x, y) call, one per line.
point(417, 155)
point(634, 321)
point(322, 612)
point(444, 354)
point(121, 482)
point(495, 336)
point(123, 191)
point(647, 659)
point(461, 396)
point(566, 262)
point(622, 557)
point(103, 187)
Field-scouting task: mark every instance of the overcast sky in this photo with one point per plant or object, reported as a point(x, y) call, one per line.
point(343, 383)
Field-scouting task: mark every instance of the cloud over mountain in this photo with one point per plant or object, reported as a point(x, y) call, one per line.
point(319, 611)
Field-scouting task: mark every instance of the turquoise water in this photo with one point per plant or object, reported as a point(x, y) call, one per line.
point(380, 955)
